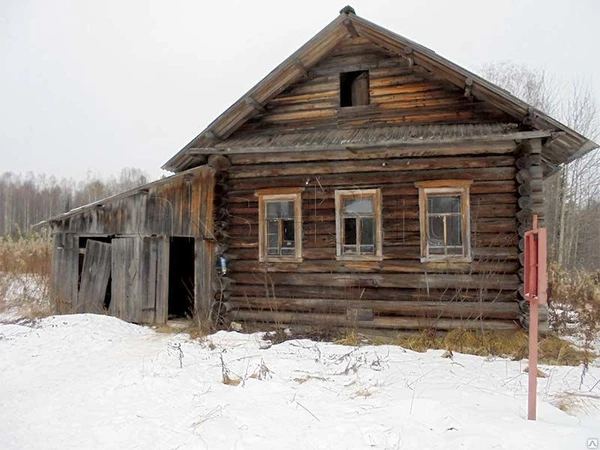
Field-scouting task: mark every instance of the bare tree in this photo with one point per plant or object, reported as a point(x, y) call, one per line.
point(573, 193)
point(30, 198)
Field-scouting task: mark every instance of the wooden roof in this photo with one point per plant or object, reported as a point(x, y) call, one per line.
point(381, 136)
point(561, 145)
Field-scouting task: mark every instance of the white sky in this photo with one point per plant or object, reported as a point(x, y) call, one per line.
point(100, 85)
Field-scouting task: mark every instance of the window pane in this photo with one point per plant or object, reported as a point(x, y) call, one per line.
point(280, 210)
point(436, 231)
point(439, 204)
point(358, 206)
point(453, 231)
point(367, 250)
point(273, 237)
point(288, 234)
point(350, 231)
point(367, 231)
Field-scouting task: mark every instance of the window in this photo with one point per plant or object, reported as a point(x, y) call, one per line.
point(354, 88)
point(358, 224)
point(280, 225)
point(444, 217)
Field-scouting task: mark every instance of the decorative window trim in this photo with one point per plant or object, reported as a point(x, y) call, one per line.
point(376, 195)
point(284, 194)
point(456, 187)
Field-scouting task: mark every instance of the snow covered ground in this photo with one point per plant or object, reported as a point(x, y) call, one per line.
point(95, 382)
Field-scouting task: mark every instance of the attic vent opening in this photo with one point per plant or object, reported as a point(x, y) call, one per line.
point(354, 88)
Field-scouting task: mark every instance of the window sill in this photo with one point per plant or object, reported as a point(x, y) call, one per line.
point(275, 259)
point(447, 259)
point(374, 258)
point(341, 110)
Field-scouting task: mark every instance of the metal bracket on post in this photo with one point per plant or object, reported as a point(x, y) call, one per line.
point(536, 282)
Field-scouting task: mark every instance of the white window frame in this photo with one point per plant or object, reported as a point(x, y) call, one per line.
point(281, 195)
point(445, 187)
point(358, 193)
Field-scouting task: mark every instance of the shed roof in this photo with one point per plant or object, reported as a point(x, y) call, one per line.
point(562, 145)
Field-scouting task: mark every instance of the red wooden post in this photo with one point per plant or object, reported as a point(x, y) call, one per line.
point(536, 281)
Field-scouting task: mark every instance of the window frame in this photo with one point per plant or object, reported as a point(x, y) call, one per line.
point(340, 195)
point(445, 187)
point(282, 195)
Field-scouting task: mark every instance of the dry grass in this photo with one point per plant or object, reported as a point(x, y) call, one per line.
point(188, 327)
point(24, 277)
point(510, 344)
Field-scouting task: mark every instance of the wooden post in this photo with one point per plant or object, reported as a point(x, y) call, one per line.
point(535, 292)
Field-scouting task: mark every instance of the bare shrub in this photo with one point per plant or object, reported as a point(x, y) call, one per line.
point(574, 306)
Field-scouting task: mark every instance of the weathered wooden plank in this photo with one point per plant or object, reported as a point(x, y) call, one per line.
point(162, 280)
point(205, 251)
point(127, 278)
point(94, 277)
point(65, 272)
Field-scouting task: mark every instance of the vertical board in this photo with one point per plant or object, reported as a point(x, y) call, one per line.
point(65, 272)
point(155, 279)
point(127, 274)
point(94, 277)
point(202, 212)
point(162, 280)
point(149, 262)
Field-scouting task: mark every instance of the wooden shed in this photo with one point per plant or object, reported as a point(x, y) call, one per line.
point(366, 181)
point(141, 255)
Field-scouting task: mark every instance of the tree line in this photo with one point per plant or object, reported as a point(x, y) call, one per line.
point(27, 199)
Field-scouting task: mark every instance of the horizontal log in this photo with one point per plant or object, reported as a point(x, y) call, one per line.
point(369, 180)
point(387, 266)
point(379, 166)
point(291, 155)
point(456, 309)
point(396, 323)
point(365, 293)
point(424, 281)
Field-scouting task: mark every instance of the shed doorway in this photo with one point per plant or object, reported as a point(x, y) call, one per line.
point(181, 277)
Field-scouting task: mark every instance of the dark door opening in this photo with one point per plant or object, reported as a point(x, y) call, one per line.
point(181, 277)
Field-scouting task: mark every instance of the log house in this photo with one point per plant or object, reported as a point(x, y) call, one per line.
point(365, 182)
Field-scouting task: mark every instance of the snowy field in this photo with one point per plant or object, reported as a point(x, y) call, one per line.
point(95, 382)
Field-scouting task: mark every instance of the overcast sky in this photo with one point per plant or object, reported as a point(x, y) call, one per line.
point(101, 85)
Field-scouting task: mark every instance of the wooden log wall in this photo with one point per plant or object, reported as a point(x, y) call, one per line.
point(398, 292)
point(530, 188)
point(399, 94)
